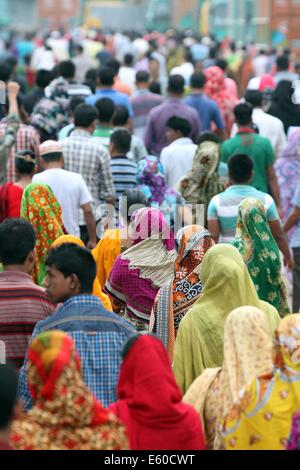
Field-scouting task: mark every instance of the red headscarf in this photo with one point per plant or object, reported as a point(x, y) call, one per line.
point(215, 88)
point(150, 402)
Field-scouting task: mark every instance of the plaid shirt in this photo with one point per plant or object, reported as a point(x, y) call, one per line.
point(99, 337)
point(86, 155)
point(27, 139)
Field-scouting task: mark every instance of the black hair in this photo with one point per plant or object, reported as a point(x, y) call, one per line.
point(52, 157)
point(9, 378)
point(129, 343)
point(12, 61)
point(106, 109)
point(113, 64)
point(135, 199)
point(106, 76)
point(43, 78)
point(282, 63)
point(176, 85)
point(254, 97)
point(188, 56)
point(128, 60)
point(91, 75)
point(121, 138)
point(222, 64)
point(179, 124)
point(155, 87)
point(79, 48)
point(75, 101)
point(5, 72)
point(240, 168)
point(121, 116)
point(73, 259)
point(24, 167)
point(198, 80)
point(67, 69)
point(142, 77)
point(243, 114)
point(85, 115)
point(209, 137)
point(17, 240)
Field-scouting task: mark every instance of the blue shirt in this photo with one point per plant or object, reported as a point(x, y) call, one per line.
point(120, 99)
point(207, 109)
point(99, 337)
point(295, 242)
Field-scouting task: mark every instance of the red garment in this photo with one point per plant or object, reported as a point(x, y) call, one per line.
point(150, 402)
point(5, 446)
point(215, 88)
point(10, 201)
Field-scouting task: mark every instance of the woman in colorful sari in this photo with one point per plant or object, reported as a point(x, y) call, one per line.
point(288, 173)
point(180, 293)
point(143, 269)
point(262, 420)
point(40, 207)
point(203, 182)
point(227, 286)
point(65, 416)
point(247, 355)
point(150, 402)
point(256, 244)
point(97, 291)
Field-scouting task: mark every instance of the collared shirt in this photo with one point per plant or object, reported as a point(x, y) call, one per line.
point(155, 136)
point(120, 99)
point(177, 160)
point(27, 139)
point(224, 208)
point(207, 109)
point(99, 337)
point(22, 305)
point(143, 101)
point(259, 150)
point(86, 155)
point(269, 127)
point(124, 174)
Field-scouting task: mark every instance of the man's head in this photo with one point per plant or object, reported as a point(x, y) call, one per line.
point(241, 169)
point(67, 69)
point(120, 142)
point(51, 154)
point(71, 270)
point(208, 136)
point(243, 114)
point(79, 49)
point(121, 117)
point(198, 80)
point(142, 80)
point(113, 64)
point(282, 63)
point(106, 109)
point(222, 64)
point(255, 98)
point(177, 127)
point(131, 201)
point(85, 117)
point(25, 163)
point(17, 242)
point(10, 406)
point(176, 86)
point(106, 77)
point(128, 60)
point(5, 72)
point(43, 78)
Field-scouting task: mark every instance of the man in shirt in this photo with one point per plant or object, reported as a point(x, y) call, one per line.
point(283, 70)
point(82, 64)
point(258, 148)
point(87, 156)
point(143, 101)
point(106, 110)
point(10, 407)
point(156, 131)
point(223, 208)
point(269, 126)
point(207, 109)
point(43, 79)
point(70, 190)
point(22, 303)
point(178, 157)
point(67, 70)
point(99, 335)
point(127, 72)
point(105, 83)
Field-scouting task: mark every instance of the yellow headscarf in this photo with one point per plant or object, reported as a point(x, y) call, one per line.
point(227, 286)
point(97, 291)
point(106, 253)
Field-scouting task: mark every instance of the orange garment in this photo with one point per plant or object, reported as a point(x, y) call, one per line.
point(97, 291)
point(106, 253)
point(122, 87)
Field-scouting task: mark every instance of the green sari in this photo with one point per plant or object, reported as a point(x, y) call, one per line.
point(260, 252)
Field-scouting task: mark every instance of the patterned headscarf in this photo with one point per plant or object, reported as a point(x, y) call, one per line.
point(66, 416)
point(260, 252)
point(40, 207)
point(179, 294)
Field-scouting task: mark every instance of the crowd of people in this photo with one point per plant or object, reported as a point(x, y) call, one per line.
point(149, 243)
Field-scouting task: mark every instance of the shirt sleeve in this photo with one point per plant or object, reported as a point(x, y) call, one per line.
point(129, 107)
point(212, 211)
point(217, 118)
point(296, 198)
point(270, 154)
point(84, 194)
point(225, 153)
point(105, 175)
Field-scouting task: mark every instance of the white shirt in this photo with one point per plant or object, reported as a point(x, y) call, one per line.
point(270, 127)
point(71, 192)
point(186, 70)
point(260, 65)
point(177, 160)
point(127, 75)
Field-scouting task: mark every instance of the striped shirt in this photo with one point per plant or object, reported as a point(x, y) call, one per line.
point(22, 305)
point(224, 208)
point(124, 174)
